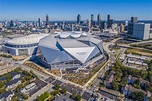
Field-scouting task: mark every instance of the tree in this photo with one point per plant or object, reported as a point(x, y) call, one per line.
point(1, 84)
point(150, 99)
point(143, 73)
point(57, 86)
point(123, 82)
point(43, 96)
point(63, 91)
point(78, 97)
point(134, 94)
point(55, 92)
point(2, 90)
point(17, 70)
point(47, 94)
point(149, 87)
point(115, 85)
point(150, 76)
point(140, 96)
point(8, 77)
point(19, 87)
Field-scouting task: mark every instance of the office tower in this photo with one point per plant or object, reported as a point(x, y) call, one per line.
point(126, 23)
point(88, 23)
point(134, 19)
point(122, 28)
point(102, 26)
point(109, 21)
point(11, 23)
point(131, 26)
point(141, 31)
point(47, 20)
point(40, 22)
point(1, 25)
point(98, 19)
point(78, 19)
point(92, 20)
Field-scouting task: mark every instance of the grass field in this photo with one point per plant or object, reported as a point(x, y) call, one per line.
point(141, 52)
point(82, 78)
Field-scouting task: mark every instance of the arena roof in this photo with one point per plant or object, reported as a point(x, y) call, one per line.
point(29, 39)
point(54, 48)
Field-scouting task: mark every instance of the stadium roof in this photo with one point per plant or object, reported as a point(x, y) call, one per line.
point(54, 48)
point(29, 39)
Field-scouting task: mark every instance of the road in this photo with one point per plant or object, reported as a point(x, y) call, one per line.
point(109, 61)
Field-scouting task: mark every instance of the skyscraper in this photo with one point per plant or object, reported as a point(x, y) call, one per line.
point(47, 20)
point(11, 23)
point(78, 19)
point(109, 21)
point(98, 19)
point(108, 17)
point(134, 19)
point(131, 26)
point(92, 19)
point(40, 22)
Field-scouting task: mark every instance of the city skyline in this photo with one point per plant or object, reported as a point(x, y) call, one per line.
point(59, 10)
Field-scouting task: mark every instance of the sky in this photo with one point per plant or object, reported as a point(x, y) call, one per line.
point(60, 10)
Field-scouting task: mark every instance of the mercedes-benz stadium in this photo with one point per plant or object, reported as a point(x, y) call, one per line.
point(26, 45)
point(69, 49)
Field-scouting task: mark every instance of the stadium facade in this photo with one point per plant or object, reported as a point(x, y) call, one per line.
point(26, 45)
point(69, 50)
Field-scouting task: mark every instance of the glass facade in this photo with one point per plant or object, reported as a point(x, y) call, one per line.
point(21, 46)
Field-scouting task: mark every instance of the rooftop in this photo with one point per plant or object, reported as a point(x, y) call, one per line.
point(29, 39)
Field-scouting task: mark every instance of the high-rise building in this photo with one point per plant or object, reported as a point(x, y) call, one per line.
point(108, 17)
point(47, 20)
point(131, 25)
point(99, 19)
point(134, 19)
point(122, 28)
point(109, 21)
point(92, 20)
point(126, 23)
point(78, 19)
point(88, 23)
point(142, 31)
point(40, 22)
point(11, 23)
point(102, 26)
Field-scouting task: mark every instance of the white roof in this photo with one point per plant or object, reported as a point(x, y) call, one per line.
point(29, 39)
point(122, 56)
point(138, 63)
point(81, 53)
point(74, 34)
point(56, 49)
point(129, 61)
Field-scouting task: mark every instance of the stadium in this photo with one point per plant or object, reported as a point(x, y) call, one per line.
point(69, 50)
point(26, 45)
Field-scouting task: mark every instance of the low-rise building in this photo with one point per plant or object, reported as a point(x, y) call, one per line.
point(13, 84)
point(28, 88)
point(6, 96)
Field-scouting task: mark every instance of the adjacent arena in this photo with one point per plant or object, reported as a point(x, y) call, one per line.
point(26, 45)
point(69, 50)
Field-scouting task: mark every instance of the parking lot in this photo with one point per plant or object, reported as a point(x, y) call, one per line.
point(86, 95)
point(49, 80)
point(72, 89)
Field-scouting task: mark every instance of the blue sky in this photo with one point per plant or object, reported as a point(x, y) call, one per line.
point(68, 9)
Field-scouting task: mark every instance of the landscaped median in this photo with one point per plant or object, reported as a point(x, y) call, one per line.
point(103, 65)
